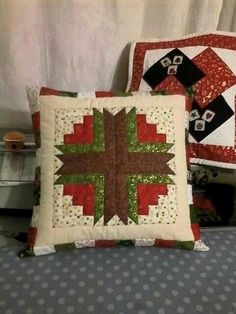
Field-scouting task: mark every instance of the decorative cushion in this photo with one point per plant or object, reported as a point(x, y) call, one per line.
point(113, 172)
point(204, 64)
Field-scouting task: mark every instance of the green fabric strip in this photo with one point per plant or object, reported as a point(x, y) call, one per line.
point(122, 94)
point(67, 94)
point(125, 242)
point(185, 245)
point(193, 214)
point(132, 138)
point(64, 246)
point(132, 181)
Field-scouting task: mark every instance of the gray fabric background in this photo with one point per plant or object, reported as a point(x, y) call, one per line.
point(122, 280)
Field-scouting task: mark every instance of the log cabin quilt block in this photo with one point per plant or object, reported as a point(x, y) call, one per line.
point(33, 93)
point(205, 66)
point(113, 172)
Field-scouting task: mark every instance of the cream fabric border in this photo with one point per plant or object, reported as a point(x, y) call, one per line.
point(47, 235)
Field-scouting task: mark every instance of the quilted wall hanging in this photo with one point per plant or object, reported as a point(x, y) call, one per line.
point(113, 172)
point(206, 66)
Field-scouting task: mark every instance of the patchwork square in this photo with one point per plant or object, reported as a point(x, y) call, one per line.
point(113, 172)
point(32, 93)
point(205, 65)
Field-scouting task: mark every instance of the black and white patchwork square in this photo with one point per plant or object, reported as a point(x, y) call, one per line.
point(204, 121)
point(202, 67)
point(173, 63)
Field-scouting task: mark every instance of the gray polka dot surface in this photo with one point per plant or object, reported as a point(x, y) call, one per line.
point(123, 280)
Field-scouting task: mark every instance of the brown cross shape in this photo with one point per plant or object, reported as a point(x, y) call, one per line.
point(115, 163)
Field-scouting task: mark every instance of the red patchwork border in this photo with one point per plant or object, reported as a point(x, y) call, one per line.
point(199, 151)
point(215, 40)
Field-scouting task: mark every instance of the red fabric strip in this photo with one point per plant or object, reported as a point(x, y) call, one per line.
point(83, 132)
point(147, 132)
point(148, 194)
point(105, 243)
point(165, 243)
point(100, 94)
point(82, 194)
point(196, 231)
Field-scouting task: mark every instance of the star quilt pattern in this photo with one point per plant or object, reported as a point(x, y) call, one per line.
point(119, 174)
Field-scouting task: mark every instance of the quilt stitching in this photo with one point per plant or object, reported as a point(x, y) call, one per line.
point(125, 159)
point(78, 199)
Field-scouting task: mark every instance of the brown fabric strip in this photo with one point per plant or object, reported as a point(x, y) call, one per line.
point(110, 177)
point(109, 133)
point(84, 163)
point(150, 161)
point(150, 157)
point(144, 168)
point(121, 198)
point(120, 136)
point(109, 197)
point(121, 158)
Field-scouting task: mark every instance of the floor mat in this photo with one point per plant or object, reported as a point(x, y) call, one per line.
point(123, 280)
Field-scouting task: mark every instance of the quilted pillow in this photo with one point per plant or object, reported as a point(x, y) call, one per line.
point(205, 65)
point(113, 172)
